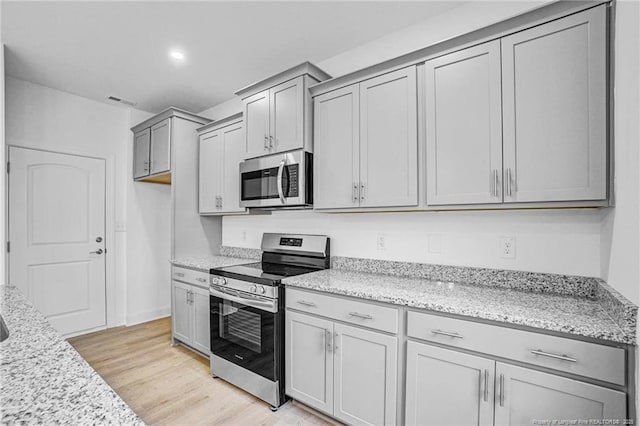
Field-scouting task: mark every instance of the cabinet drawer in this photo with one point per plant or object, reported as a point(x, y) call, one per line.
point(352, 311)
point(572, 356)
point(201, 279)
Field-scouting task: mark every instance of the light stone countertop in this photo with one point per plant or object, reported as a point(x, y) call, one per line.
point(44, 380)
point(581, 316)
point(205, 263)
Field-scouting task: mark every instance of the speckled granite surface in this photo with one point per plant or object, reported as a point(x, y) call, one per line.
point(578, 315)
point(205, 263)
point(242, 252)
point(43, 380)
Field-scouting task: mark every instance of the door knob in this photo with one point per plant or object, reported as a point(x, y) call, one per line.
point(99, 240)
point(99, 251)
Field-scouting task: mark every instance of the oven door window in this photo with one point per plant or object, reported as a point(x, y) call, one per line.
point(243, 335)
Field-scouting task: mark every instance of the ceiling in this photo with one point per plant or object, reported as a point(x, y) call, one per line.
point(96, 49)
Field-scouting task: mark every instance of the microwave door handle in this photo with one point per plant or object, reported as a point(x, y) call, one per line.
point(279, 181)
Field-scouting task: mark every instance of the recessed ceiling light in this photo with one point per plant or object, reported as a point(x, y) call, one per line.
point(176, 55)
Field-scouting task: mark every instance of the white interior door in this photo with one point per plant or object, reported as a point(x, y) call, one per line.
point(57, 232)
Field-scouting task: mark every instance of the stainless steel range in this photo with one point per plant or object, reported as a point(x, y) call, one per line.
point(247, 313)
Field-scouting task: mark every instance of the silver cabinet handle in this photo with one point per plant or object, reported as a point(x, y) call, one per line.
point(355, 192)
point(202, 280)
point(358, 315)
point(99, 251)
point(270, 142)
point(486, 385)
point(447, 333)
point(189, 297)
point(279, 180)
point(335, 339)
point(554, 356)
point(510, 184)
point(328, 340)
point(502, 390)
point(266, 142)
point(305, 303)
point(495, 183)
point(179, 274)
point(362, 191)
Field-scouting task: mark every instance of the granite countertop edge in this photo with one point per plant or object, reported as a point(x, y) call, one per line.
point(43, 379)
point(612, 332)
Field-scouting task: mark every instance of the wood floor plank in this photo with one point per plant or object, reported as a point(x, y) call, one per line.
point(167, 385)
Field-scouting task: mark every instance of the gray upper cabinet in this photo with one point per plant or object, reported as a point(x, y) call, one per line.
point(141, 148)
point(366, 152)
point(464, 126)
point(154, 140)
point(277, 111)
point(554, 96)
point(160, 156)
point(337, 148)
point(221, 149)
point(389, 140)
point(286, 123)
point(256, 111)
point(521, 119)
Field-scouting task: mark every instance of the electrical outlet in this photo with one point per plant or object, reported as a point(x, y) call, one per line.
point(507, 247)
point(244, 235)
point(381, 242)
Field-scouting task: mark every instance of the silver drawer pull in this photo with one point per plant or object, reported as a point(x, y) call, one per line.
point(202, 280)
point(179, 274)
point(447, 333)
point(363, 316)
point(305, 303)
point(554, 356)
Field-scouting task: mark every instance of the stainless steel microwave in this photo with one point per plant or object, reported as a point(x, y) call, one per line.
point(278, 180)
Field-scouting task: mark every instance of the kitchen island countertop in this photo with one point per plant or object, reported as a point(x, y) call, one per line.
point(44, 380)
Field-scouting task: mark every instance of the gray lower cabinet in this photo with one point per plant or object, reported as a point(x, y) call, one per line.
point(481, 387)
point(190, 316)
point(345, 371)
point(439, 379)
point(524, 394)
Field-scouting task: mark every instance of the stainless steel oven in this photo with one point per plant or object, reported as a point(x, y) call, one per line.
point(247, 313)
point(279, 180)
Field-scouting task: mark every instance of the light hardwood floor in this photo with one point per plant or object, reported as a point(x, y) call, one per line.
point(168, 385)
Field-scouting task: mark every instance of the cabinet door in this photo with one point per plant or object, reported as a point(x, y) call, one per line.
point(365, 371)
point(181, 315)
point(437, 377)
point(554, 89)
point(309, 360)
point(232, 154)
point(523, 395)
point(256, 118)
point(464, 126)
point(337, 148)
point(141, 143)
point(161, 147)
point(286, 112)
point(388, 140)
point(209, 172)
point(200, 308)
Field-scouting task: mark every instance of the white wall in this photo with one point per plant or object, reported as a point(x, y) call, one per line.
point(225, 109)
point(139, 213)
point(148, 236)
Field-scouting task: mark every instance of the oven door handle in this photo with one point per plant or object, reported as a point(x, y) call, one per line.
point(248, 300)
point(279, 180)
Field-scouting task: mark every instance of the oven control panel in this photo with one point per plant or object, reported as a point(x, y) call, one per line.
point(291, 242)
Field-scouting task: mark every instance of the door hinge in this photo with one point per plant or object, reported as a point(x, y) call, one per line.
point(8, 246)
point(8, 167)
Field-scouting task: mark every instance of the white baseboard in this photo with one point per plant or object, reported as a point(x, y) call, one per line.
point(148, 316)
point(81, 332)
